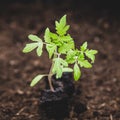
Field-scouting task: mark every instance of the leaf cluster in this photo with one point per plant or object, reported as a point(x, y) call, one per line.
point(59, 42)
point(79, 59)
point(37, 44)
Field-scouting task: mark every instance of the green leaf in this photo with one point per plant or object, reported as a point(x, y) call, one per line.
point(62, 49)
point(60, 61)
point(47, 36)
point(57, 68)
point(84, 46)
point(81, 56)
point(63, 62)
point(67, 70)
point(77, 72)
point(51, 48)
point(66, 38)
point(56, 25)
point(91, 54)
point(65, 29)
point(34, 37)
point(63, 21)
point(85, 64)
point(36, 80)
point(53, 35)
point(59, 72)
point(66, 47)
point(56, 65)
point(39, 49)
point(61, 27)
point(29, 47)
point(70, 58)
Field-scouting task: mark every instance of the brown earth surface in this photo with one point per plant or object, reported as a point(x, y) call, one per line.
point(100, 85)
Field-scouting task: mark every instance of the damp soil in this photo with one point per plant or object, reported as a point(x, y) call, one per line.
point(97, 94)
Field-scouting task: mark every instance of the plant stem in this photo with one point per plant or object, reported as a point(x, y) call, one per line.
point(50, 73)
point(50, 79)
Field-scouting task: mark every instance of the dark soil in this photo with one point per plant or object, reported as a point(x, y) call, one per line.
point(57, 104)
point(98, 88)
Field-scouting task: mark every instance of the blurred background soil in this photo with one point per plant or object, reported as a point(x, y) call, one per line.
point(96, 22)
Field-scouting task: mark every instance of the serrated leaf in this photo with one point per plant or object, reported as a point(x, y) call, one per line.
point(70, 58)
point(47, 36)
point(91, 54)
point(34, 37)
point(77, 72)
point(59, 72)
point(67, 70)
point(56, 24)
point(92, 57)
point(66, 38)
point(85, 64)
point(81, 56)
point(57, 68)
point(53, 35)
point(63, 62)
point(66, 47)
point(93, 51)
point(84, 46)
point(36, 80)
point(63, 31)
point(62, 49)
point(56, 65)
point(29, 47)
point(61, 27)
point(51, 48)
point(39, 49)
point(63, 21)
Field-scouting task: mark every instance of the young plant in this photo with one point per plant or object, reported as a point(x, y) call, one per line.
point(58, 44)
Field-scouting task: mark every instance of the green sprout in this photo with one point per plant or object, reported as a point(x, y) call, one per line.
point(57, 45)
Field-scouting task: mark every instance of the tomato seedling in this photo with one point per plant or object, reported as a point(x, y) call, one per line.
point(60, 44)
